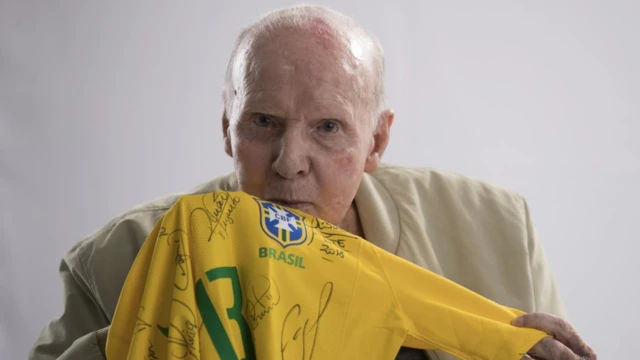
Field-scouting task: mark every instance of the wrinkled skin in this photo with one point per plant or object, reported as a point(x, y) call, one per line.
point(564, 343)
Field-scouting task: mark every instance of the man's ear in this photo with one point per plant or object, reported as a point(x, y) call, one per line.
point(380, 140)
point(225, 134)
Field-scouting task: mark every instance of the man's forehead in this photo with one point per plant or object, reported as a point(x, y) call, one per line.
point(313, 60)
point(293, 58)
point(296, 102)
point(300, 40)
point(312, 39)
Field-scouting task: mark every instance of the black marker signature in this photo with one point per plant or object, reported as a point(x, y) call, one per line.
point(341, 243)
point(333, 234)
point(182, 274)
point(264, 296)
point(322, 225)
point(151, 353)
point(332, 251)
point(141, 324)
point(186, 339)
point(184, 334)
point(299, 334)
point(217, 208)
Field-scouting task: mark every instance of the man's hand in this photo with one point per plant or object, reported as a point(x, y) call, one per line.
point(565, 343)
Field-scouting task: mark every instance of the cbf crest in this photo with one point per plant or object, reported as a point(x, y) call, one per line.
point(285, 227)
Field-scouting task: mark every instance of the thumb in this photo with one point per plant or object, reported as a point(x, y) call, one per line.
point(519, 321)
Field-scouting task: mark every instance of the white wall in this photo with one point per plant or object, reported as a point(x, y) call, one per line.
point(542, 97)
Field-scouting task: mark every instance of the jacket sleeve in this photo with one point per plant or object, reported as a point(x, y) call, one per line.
point(83, 325)
point(546, 296)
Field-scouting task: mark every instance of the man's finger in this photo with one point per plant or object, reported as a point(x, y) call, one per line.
point(559, 329)
point(551, 349)
point(529, 357)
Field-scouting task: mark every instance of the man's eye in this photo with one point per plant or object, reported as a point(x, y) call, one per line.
point(329, 126)
point(263, 121)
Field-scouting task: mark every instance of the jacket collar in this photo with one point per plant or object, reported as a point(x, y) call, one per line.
point(378, 214)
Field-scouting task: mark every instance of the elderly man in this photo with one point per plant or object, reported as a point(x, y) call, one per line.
point(305, 123)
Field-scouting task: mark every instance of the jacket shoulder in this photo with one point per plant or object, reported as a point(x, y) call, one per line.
point(471, 231)
point(103, 258)
point(445, 186)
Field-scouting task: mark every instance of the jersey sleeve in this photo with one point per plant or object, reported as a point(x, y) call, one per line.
point(124, 322)
point(440, 314)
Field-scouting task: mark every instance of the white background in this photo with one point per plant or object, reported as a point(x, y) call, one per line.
point(105, 105)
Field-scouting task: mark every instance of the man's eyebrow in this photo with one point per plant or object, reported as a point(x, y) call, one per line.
point(267, 114)
point(262, 106)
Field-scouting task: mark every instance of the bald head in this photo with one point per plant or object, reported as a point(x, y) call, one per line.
point(299, 35)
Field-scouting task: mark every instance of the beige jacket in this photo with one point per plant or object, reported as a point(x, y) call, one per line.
point(473, 233)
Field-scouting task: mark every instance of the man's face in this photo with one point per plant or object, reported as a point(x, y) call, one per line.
point(300, 135)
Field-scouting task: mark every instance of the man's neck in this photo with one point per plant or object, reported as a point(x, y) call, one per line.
point(351, 221)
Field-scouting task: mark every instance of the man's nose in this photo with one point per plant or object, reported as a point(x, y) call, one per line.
point(291, 154)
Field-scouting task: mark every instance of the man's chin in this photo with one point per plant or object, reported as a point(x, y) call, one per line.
point(305, 207)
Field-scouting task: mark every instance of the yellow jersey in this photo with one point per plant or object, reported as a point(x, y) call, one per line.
point(226, 275)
